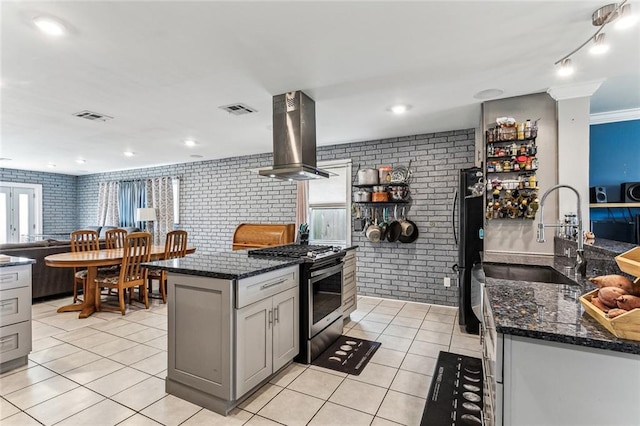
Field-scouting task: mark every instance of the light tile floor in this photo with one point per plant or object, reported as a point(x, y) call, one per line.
point(109, 369)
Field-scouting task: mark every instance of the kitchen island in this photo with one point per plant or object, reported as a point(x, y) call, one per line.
point(232, 324)
point(551, 363)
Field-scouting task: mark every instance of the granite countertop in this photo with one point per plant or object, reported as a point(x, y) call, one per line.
point(224, 265)
point(551, 312)
point(16, 261)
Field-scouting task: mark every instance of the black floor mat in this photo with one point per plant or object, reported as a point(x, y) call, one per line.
point(348, 355)
point(456, 392)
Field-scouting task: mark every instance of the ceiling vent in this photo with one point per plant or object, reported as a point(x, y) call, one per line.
point(93, 116)
point(238, 109)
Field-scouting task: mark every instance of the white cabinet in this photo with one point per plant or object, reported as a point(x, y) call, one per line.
point(15, 316)
point(266, 338)
point(349, 296)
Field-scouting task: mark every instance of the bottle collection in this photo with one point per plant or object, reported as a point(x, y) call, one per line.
point(511, 148)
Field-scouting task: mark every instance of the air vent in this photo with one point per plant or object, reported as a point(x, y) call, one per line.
point(93, 116)
point(238, 109)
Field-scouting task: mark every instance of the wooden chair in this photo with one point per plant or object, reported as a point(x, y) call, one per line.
point(114, 238)
point(82, 240)
point(137, 250)
point(175, 246)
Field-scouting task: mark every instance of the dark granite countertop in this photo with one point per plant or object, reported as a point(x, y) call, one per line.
point(224, 265)
point(551, 312)
point(16, 261)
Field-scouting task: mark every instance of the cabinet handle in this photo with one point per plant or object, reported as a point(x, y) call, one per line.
point(270, 318)
point(276, 314)
point(273, 283)
point(5, 278)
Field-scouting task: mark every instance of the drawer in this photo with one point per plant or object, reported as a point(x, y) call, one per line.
point(15, 341)
point(348, 299)
point(350, 260)
point(254, 289)
point(15, 305)
point(14, 277)
point(349, 276)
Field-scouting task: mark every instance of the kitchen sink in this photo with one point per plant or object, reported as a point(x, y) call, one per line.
point(540, 274)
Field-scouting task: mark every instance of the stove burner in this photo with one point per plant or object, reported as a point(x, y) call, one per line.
point(470, 406)
point(471, 388)
point(295, 251)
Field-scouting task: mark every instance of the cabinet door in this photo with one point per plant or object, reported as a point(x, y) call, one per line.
point(285, 331)
point(254, 346)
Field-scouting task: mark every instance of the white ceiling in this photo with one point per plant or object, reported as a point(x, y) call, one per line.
point(162, 69)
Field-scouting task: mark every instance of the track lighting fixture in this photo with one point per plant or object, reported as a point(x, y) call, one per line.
point(600, 18)
point(600, 46)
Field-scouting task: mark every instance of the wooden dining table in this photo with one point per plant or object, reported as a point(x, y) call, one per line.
point(92, 260)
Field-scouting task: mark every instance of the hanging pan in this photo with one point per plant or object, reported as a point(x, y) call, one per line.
point(411, 237)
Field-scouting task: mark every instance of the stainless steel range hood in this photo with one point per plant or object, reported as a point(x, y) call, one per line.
point(294, 138)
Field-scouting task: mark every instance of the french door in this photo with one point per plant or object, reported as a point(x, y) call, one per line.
point(19, 212)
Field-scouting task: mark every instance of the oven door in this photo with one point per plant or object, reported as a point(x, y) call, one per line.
point(325, 297)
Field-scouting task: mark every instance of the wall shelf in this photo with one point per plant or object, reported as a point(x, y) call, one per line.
point(610, 205)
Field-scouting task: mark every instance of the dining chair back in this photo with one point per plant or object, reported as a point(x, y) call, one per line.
point(175, 246)
point(81, 241)
point(137, 250)
point(114, 238)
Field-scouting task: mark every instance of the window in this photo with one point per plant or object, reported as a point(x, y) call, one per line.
point(329, 204)
point(20, 212)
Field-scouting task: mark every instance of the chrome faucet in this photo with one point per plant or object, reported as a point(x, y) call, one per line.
point(581, 262)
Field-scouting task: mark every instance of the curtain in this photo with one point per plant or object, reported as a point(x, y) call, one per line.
point(302, 203)
point(160, 197)
point(132, 195)
point(108, 204)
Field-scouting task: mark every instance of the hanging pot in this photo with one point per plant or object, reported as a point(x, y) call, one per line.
point(361, 196)
point(394, 230)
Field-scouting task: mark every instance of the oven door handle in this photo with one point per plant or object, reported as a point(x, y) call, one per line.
point(322, 273)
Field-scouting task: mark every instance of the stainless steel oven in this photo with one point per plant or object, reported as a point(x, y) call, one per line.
point(320, 294)
point(324, 304)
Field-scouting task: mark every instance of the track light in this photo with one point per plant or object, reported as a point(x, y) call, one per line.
point(627, 18)
point(600, 18)
point(566, 68)
point(600, 45)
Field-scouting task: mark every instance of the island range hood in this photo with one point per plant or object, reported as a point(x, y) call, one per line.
point(294, 138)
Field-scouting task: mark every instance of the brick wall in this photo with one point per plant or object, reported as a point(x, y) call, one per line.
point(413, 271)
point(58, 197)
point(217, 195)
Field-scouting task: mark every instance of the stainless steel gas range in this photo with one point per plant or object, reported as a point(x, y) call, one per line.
point(320, 294)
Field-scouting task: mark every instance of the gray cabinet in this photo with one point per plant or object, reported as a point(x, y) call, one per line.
point(266, 338)
point(226, 337)
point(349, 296)
point(15, 316)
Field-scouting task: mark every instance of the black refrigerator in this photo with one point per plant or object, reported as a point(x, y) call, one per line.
point(469, 214)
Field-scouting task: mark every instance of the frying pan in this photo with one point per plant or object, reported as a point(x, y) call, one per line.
point(394, 230)
point(384, 225)
point(411, 237)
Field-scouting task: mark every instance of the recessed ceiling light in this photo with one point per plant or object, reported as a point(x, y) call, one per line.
point(5, 159)
point(272, 176)
point(290, 180)
point(488, 94)
point(51, 165)
point(129, 153)
point(190, 142)
point(81, 161)
point(49, 26)
point(400, 109)
point(195, 156)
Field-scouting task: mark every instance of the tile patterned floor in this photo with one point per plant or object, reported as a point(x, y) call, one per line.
point(109, 370)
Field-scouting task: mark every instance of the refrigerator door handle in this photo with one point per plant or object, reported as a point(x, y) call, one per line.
point(453, 216)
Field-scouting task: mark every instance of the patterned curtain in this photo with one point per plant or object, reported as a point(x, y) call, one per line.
point(108, 204)
point(132, 195)
point(160, 197)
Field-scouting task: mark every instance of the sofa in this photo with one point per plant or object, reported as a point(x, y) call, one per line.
point(47, 281)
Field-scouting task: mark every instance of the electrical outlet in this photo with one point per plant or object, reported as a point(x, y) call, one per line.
point(447, 282)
